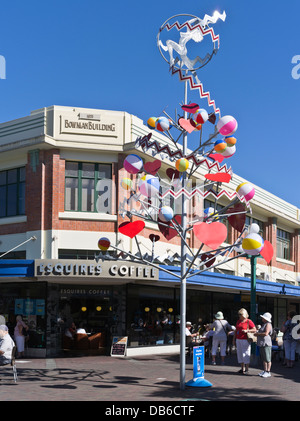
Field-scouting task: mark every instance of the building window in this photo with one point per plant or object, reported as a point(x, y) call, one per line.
point(283, 244)
point(80, 254)
point(88, 187)
point(14, 254)
point(218, 207)
point(12, 192)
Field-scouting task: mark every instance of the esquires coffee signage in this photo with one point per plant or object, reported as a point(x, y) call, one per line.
point(88, 268)
point(88, 124)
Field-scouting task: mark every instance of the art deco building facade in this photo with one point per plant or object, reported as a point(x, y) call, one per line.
point(61, 170)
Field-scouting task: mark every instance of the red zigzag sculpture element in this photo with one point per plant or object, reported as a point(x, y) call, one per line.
point(204, 194)
point(145, 144)
point(215, 38)
point(198, 85)
point(195, 86)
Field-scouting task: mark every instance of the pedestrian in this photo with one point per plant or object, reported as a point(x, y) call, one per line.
point(264, 342)
point(6, 345)
point(19, 335)
point(220, 328)
point(243, 347)
point(289, 343)
point(189, 337)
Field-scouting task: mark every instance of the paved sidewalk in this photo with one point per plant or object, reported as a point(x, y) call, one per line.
point(154, 378)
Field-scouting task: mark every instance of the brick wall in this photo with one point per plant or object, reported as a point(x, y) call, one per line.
point(45, 188)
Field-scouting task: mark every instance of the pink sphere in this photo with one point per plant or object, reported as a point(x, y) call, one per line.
point(227, 125)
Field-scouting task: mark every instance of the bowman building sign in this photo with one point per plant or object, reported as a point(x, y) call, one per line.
point(91, 124)
point(88, 268)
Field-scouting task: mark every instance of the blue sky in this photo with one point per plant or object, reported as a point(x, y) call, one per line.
point(101, 54)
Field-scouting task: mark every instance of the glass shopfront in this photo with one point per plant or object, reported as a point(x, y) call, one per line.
point(91, 308)
point(152, 315)
point(83, 318)
point(29, 301)
point(148, 315)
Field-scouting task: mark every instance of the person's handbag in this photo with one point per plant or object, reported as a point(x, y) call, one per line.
point(250, 336)
point(225, 330)
point(24, 332)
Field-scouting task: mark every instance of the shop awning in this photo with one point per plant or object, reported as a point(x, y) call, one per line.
point(16, 268)
point(219, 280)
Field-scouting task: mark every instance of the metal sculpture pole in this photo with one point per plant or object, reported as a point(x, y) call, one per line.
point(183, 264)
point(208, 227)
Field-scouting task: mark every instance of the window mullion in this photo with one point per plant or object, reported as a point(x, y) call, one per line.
point(96, 172)
point(18, 191)
point(79, 186)
point(6, 193)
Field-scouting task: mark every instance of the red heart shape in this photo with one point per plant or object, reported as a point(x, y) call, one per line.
point(210, 259)
point(212, 118)
point(166, 228)
point(220, 177)
point(131, 229)
point(216, 157)
point(186, 125)
point(237, 221)
point(154, 237)
point(152, 167)
point(170, 172)
point(212, 235)
point(267, 251)
point(190, 108)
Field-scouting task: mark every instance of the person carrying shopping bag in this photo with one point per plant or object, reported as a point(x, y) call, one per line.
point(243, 347)
point(220, 327)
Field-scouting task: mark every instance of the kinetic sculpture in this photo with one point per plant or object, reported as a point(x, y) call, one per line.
point(153, 196)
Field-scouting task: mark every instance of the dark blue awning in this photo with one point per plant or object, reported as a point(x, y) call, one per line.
point(16, 268)
point(220, 280)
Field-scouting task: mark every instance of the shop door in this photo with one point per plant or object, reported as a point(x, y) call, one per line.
point(91, 314)
point(87, 313)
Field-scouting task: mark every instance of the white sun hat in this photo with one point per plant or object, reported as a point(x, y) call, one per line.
point(219, 315)
point(267, 317)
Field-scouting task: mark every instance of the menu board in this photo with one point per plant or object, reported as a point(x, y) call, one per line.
point(26, 307)
point(119, 346)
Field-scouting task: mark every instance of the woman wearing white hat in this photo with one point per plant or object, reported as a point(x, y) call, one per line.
point(220, 327)
point(264, 341)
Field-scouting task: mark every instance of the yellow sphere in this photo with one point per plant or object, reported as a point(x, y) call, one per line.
point(182, 164)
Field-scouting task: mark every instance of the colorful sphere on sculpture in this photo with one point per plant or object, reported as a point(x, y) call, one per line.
point(210, 211)
point(229, 151)
point(162, 124)
point(246, 190)
point(133, 164)
point(182, 164)
point(198, 127)
point(149, 185)
point(220, 146)
point(151, 122)
point(103, 244)
point(227, 125)
point(200, 116)
point(254, 228)
point(126, 183)
point(166, 213)
point(230, 140)
point(253, 244)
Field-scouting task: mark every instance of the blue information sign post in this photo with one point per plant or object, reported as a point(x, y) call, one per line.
point(198, 369)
